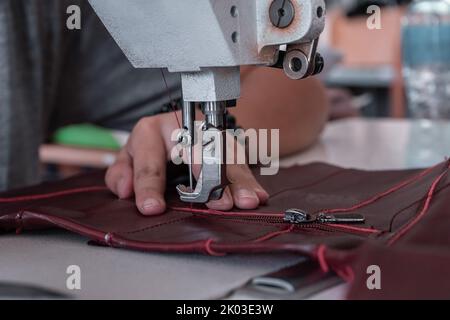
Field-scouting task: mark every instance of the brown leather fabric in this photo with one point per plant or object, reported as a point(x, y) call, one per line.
point(97, 214)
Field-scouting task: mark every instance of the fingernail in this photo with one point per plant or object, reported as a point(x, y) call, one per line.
point(246, 199)
point(262, 194)
point(244, 193)
point(152, 206)
point(224, 204)
point(261, 191)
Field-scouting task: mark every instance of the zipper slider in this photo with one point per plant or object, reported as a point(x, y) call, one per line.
point(297, 216)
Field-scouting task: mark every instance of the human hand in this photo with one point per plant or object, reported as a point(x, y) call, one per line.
point(140, 170)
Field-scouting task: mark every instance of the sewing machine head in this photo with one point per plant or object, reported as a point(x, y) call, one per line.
point(207, 41)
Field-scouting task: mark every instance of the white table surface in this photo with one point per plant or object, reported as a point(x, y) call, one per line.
point(41, 258)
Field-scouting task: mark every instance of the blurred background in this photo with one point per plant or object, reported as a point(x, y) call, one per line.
point(364, 66)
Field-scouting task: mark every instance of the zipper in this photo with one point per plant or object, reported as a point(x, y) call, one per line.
point(347, 223)
point(299, 218)
point(292, 216)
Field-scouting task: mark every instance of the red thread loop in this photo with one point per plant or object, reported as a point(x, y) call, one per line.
point(210, 251)
point(322, 259)
point(346, 274)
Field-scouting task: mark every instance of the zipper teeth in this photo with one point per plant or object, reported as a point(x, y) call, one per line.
point(265, 218)
point(278, 220)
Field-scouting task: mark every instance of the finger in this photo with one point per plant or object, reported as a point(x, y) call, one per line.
point(242, 174)
point(149, 165)
point(223, 204)
point(119, 177)
point(246, 191)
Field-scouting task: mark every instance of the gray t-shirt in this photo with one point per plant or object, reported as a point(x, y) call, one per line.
point(51, 76)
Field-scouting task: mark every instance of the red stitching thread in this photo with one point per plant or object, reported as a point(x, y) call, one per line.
point(210, 251)
point(412, 205)
point(322, 259)
point(274, 234)
point(52, 194)
point(230, 213)
point(405, 229)
point(383, 194)
point(331, 175)
point(353, 228)
point(346, 274)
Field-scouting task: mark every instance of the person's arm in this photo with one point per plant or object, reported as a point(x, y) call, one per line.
point(270, 100)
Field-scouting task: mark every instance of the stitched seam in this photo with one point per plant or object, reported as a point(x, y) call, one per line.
point(156, 225)
point(254, 222)
point(53, 194)
point(395, 216)
point(391, 190)
point(197, 216)
point(292, 228)
point(238, 220)
point(68, 192)
point(333, 229)
point(274, 234)
point(262, 235)
point(311, 231)
point(348, 228)
point(405, 229)
point(337, 172)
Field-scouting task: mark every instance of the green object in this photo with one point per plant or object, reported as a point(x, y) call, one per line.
point(86, 136)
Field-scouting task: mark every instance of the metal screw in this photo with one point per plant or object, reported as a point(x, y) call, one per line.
point(318, 64)
point(282, 13)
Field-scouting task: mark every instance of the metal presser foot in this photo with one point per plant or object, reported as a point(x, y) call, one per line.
point(212, 180)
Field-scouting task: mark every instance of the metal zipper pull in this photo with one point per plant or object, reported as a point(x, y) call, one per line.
point(340, 218)
point(298, 216)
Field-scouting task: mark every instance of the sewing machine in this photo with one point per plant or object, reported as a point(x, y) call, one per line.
point(207, 41)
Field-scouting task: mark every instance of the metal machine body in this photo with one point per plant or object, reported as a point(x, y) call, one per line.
point(207, 41)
